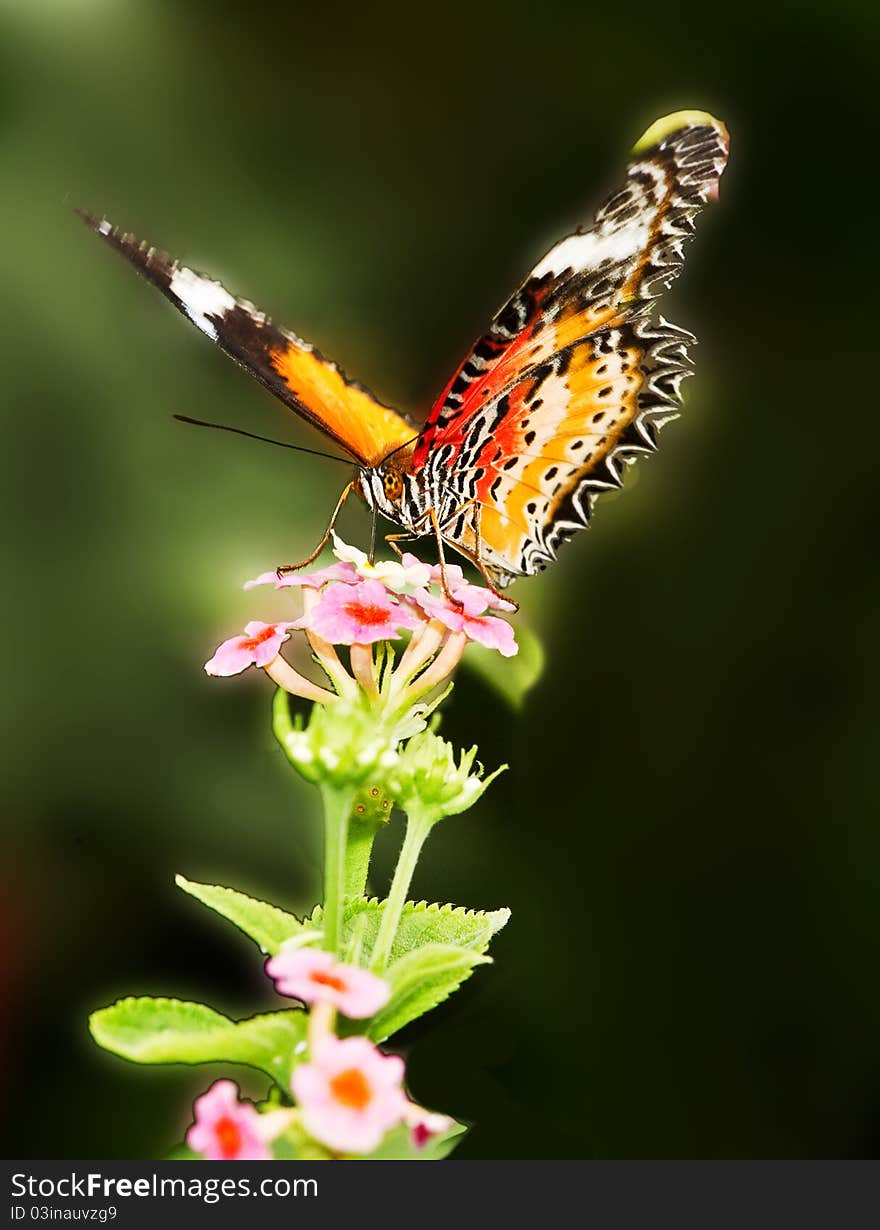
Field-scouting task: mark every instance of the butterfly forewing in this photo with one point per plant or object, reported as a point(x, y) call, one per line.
point(294, 371)
point(575, 374)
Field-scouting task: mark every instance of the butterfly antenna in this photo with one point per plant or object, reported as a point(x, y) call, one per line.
point(400, 447)
point(238, 431)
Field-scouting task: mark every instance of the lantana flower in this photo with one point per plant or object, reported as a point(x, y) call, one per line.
point(227, 1129)
point(358, 614)
point(258, 647)
point(403, 576)
point(425, 1124)
point(311, 580)
point(469, 616)
point(468, 595)
point(317, 977)
point(350, 1094)
point(363, 606)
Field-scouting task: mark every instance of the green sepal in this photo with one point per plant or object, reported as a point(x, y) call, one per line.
point(420, 980)
point(148, 1030)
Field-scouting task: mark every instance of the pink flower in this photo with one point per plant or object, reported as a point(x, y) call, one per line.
point(486, 630)
point(475, 599)
point(228, 1130)
point(403, 576)
point(424, 1124)
point(464, 592)
point(454, 575)
point(258, 647)
point(350, 1094)
point(317, 977)
point(357, 615)
point(308, 580)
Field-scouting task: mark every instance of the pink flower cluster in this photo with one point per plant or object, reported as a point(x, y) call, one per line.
point(349, 1094)
point(316, 977)
point(357, 603)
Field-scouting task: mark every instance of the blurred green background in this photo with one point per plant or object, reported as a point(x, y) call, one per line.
point(689, 834)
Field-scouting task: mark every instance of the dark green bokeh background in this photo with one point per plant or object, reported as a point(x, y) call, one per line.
point(689, 835)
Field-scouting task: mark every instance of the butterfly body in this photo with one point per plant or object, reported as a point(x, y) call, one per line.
point(568, 385)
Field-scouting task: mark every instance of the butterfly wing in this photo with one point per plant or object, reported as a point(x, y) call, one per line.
point(294, 371)
point(574, 374)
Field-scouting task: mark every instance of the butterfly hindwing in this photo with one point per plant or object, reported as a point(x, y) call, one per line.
point(559, 437)
point(575, 374)
point(294, 371)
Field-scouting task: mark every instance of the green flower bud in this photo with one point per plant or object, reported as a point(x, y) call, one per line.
point(343, 745)
point(428, 780)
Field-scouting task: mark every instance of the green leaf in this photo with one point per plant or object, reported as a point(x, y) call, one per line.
point(420, 924)
point(512, 677)
point(398, 1145)
point(420, 980)
point(266, 924)
point(147, 1030)
point(181, 1153)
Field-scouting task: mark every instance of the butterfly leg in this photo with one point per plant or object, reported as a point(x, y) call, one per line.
point(441, 554)
point(476, 555)
point(394, 539)
point(283, 568)
point(429, 516)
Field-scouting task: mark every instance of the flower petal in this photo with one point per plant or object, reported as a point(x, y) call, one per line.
point(493, 633)
point(258, 647)
point(226, 1129)
point(358, 614)
point(306, 580)
point(350, 1093)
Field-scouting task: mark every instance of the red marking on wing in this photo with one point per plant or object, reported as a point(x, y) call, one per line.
point(592, 280)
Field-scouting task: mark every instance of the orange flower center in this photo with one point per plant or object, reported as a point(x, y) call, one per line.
point(328, 980)
point(351, 1088)
point(367, 612)
point(255, 641)
point(228, 1136)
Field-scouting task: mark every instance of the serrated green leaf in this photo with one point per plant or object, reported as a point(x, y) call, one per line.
point(512, 677)
point(148, 1030)
point(398, 1145)
point(420, 924)
point(420, 980)
point(266, 924)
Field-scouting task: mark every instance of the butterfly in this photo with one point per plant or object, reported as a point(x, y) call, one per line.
point(569, 383)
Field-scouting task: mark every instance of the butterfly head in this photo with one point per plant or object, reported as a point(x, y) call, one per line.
point(384, 488)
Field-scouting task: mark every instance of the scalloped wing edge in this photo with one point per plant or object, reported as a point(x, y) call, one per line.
point(666, 364)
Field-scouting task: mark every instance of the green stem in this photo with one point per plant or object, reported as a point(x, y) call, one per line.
point(418, 826)
point(337, 809)
point(370, 812)
point(359, 847)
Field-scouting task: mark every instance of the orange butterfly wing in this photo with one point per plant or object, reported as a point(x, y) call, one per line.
point(566, 430)
point(294, 371)
point(574, 373)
